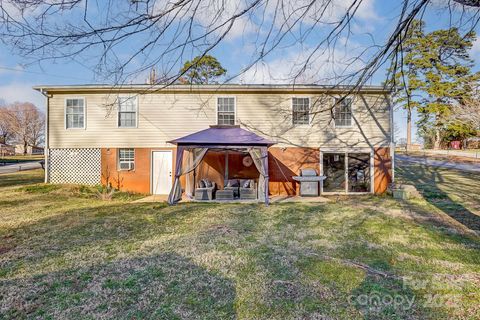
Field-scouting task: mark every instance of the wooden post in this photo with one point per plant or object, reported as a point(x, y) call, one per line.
point(194, 181)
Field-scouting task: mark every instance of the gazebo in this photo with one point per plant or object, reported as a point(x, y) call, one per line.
point(191, 150)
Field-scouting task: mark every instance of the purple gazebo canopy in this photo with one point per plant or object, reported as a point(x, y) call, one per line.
point(223, 136)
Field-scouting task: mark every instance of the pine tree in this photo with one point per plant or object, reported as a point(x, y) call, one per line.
point(406, 78)
point(435, 75)
point(202, 70)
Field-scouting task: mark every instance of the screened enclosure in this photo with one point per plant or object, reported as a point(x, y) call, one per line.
point(191, 150)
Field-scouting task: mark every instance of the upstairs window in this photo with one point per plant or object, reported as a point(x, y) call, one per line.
point(127, 112)
point(226, 111)
point(301, 111)
point(126, 159)
point(75, 113)
point(343, 113)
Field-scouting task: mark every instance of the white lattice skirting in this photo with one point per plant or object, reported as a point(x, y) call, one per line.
point(79, 166)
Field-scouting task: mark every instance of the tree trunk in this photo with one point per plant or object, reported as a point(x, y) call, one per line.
point(25, 147)
point(436, 141)
point(409, 129)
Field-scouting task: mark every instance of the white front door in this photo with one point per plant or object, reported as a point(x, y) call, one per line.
point(161, 172)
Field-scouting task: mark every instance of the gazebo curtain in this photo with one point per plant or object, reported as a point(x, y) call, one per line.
point(260, 159)
point(193, 159)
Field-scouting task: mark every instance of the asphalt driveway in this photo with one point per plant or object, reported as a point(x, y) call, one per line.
point(471, 167)
point(14, 167)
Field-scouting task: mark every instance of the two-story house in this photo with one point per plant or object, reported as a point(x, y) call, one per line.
point(121, 135)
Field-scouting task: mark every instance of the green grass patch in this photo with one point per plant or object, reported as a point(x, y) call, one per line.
point(40, 188)
point(339, 276)
point(21, 158)
point(455, 193)
point(64, 253)
point(21, 178)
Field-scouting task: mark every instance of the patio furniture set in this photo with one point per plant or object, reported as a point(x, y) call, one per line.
point(242, 189)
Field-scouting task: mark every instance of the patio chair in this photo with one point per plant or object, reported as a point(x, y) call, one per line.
point(248, 189)
point(233, 184)
point(205, 190)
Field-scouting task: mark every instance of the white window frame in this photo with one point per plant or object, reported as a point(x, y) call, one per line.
point(136, 111)
point(352, 113)
point(234, 109)
point(84, 113)
point(346, 152)
point(129, 161)
point(309, 111)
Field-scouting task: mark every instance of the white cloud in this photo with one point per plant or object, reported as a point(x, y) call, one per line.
point(213, 15)
point(366, 11)
point(216, 13)
point(17, 10)
point(324, 12)
point(22, 92)
point(17, 69)
point(305, 66)
point(475, 51)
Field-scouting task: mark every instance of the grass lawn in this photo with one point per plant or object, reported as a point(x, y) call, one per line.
point(21, 158)
point(66, 254)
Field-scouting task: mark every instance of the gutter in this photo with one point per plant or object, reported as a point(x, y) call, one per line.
point(210, 88)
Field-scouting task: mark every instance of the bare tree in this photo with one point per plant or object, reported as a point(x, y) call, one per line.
point(468, 113)
point(6, 130)
point(168, 33)
point(28, 124)
point(121, 41)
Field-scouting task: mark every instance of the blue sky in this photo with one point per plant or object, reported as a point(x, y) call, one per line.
point(375, 18)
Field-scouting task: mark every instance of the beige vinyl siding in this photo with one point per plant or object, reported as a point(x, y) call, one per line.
point(167, 116)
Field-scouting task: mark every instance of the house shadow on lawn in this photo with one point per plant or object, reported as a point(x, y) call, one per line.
point(427, 180)
point(114, 228)
point(163, 286)
point(21, 178)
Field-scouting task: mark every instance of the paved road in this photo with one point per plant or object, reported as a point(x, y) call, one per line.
point(9, 168)
point(472, 167)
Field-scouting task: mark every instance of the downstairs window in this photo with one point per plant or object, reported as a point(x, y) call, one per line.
point(126, 159)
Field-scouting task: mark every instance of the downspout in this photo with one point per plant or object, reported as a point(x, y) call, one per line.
point(46, 149)
point(392, 138)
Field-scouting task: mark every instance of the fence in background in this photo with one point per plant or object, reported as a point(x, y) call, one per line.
point(457, 153)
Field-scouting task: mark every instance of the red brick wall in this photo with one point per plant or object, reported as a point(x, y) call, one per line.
point(137, 180)
point(283, 163)
point(212, 168)
point(286, 162)
point(383, 169)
